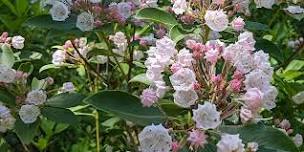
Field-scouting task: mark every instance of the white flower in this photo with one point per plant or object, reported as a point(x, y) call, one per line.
point(102, 59)
point(183, 79)
point(246, 40)
point(295, 9)
point(261, 60)
point(59, 11)
point(253, 146)
point(206, 116)
point(95, 1)
point(230, 143)
point(165, 50)
point(120, 40)
point(264, 3)
point(7, 121)
point(68, 87)
point(36, 97)
point(29, 113)
point(58, 57)
point(216, 20)
point(161, 88)
point(185, 98)
point(138, 55)
point(7, 75)
point(148, 3)
point(298, 140)
point(269, 97)
point(179, 6)
point(212, 55)
point(18, 42)
point(85, 21)
point(184, 57)
point(238, 24)
point(154, 139)
point(231, 51)
point(243, 61)
point(298, 98)
point(257, 79)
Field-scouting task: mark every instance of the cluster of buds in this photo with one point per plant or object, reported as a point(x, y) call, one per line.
point(16, 42)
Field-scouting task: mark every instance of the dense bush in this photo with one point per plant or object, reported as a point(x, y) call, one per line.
point(151, 75)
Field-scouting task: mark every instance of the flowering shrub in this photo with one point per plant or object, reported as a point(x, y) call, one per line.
point(152, 75)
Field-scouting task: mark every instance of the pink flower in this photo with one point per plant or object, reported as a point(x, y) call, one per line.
point(3, 37)
point(246, 40)
point(148, 97)
point(238, 75)
point(219, 2)
point(216, 79)
point(176, 146)
point(253, 99)
point(197, 86)
point(212, 55)
point(175, 67)
point(235, 85)
point(285, 124)
point(197, 138)
point(216, 20)
point(238, 24)
point(187, 19)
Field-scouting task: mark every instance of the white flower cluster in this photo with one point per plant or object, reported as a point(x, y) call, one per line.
point(264, 3)
point(85, 21)
point(216, 20)
point(30, 111)
point(155, 138)
point(179, 6)
point(295, 9)
point(206, 116)
point(7, 121)
point(255, 65)
point(230, 143)
point(7, 74)
point(60, 11)
point(121, 43)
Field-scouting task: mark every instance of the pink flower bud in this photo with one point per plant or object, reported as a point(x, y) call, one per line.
point(197, 138)
point(96, 9)
point(175, 67)
point(50, 80)
point(212, 55)
point(216, 79)
point(238, 75)
point(187, 19)
point(3, 37)
point(236, 85)
point(176, 146)
point(238, 24)
point(97, 23)
point(196, 86)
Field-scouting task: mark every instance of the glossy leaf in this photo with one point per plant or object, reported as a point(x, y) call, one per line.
point(46, 21)
point(65, 100)
point(125, 106)
point(26, 132)
point(59, 115)
point(7, 56)
point(265, 136)
point(157, 15)
point(142, 78)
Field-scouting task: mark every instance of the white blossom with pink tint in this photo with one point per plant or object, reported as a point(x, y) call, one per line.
point(206, 116)
point(252, 146)
point(7, 74)
point(183, 79)
point(230, 143)
point(264, 3)
point(197, 138)
point(185, 98)
point(238, 24)
point(7, 120)
point(36, 97)
point(218, 2)
point(148, 97)
point(85, 21)
point(18, 42)
point(58, 57)
point(59, 11)
point(216, 20)
point(184, 57)
point(179, 6)
point(246, 40)
point(231, 51)
point(253, 99)
point(241, 6)
point(298, 140)
point(29, 113)
point(155, 138)
point(246, 115)
point(212, 55)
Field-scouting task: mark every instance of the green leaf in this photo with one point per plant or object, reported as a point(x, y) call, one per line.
point(176, 33)
point(157, 15)
point(171, 109)
point(269, 47)
point(265, 136)
point(65, 100)
point(46, 21)
point(26, 67)
point(142, 78)
point(7, 97)
point(255, 26)
point(295, 65)
point(22, 6)
point(7, 56)
point(125, 106)
point(53, 66)
point(10, 6)
point(59, 115)
point(26, 132)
